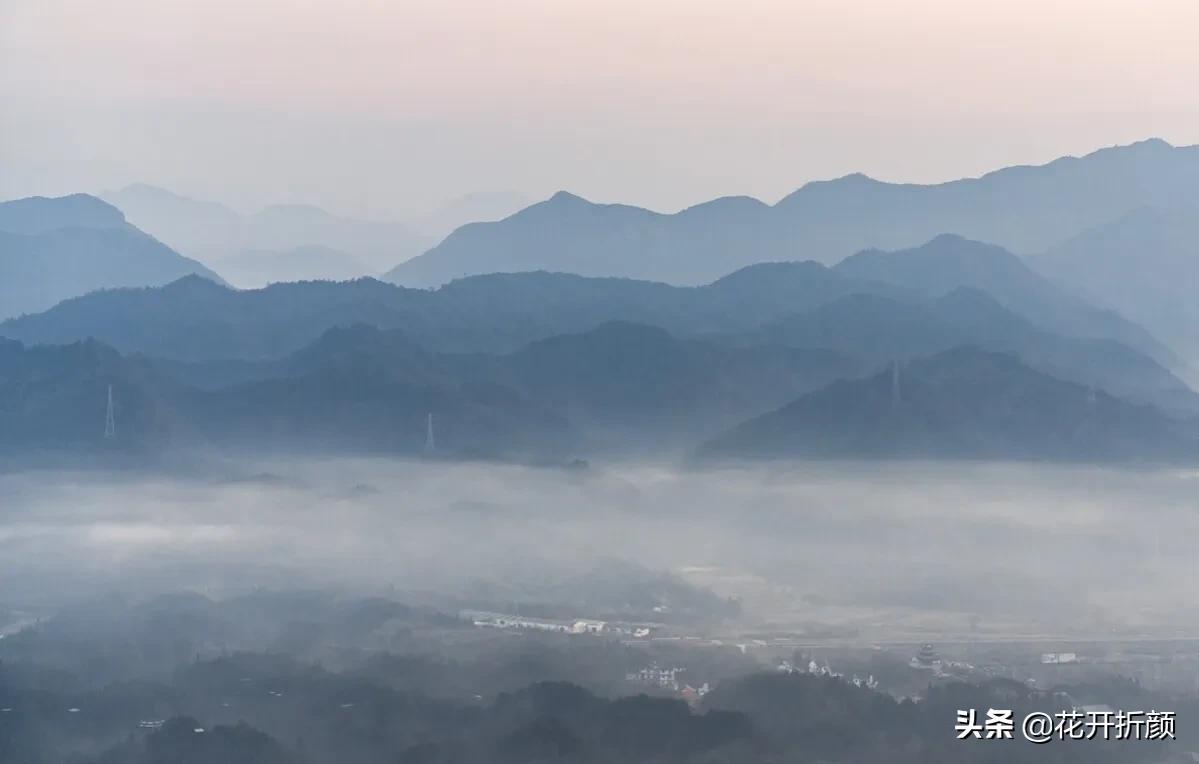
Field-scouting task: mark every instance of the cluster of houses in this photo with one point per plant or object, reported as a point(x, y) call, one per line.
point(668, 679)
point(505, 621)
point(576, 626)
point(787, 667)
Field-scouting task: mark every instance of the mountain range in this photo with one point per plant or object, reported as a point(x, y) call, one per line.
point(286, 242)
point(963, 403)
point(538, 364)
point(1024, 209)
point(872, 307)
point(878, 329)
point(1145, 264)
point(296, 242)
point(195, 320)
point(621, 388)
point(54, 249)
point(362, 388)
point(534, 340)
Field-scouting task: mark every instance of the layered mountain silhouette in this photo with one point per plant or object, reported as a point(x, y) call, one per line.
point(55, 249)
point(949, 262)
point(476, 207)
point(1024, 209)
point(287, 242)
point(196, 320)
point(880, 329)
point(1145, 264)
point(629, 381)
point(963, 403)
point(621, 387)
point(618, 386)
point(56, 398)
point(39, 214)
point(255, 268)
point(193, 320)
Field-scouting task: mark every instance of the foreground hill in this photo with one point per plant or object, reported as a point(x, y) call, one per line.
point(1025, 209)
point(56, 396)
point(55, 249)
point(964, 403)
point(620, 386)
point(1145, 264)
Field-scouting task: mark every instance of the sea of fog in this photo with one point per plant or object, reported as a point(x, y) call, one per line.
point(890, 551)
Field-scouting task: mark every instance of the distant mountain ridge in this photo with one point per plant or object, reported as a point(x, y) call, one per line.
point(479, 206)
point(40, 214)
point(320, 243)
point(880, 329)
point(296, 242)
point(950, 262)
point(500, 312)
point(254, 269)
point(55, 249)
point(1024, 209)
point(806, 307)
point(1145, 264)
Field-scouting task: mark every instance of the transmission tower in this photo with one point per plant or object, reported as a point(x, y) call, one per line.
point(430, 443)
point(110, 419)
point(895, 397)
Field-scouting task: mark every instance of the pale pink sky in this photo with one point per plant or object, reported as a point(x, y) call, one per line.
point(381, 108)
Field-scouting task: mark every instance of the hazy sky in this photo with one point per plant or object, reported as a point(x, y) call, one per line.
point(382, 107)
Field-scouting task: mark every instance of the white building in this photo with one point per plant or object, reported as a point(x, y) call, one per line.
point(504, 621)
point(585, 626)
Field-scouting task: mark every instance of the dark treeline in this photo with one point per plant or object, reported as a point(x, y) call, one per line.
point(263, 709)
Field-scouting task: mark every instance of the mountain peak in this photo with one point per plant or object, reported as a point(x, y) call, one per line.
point(1150, 144)
point(950, 240)
point(194, 283)
point(147, 189)
point(1150, 147)
point(565, 197)
point(39, 214)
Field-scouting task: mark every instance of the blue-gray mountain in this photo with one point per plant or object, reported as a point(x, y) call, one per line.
point(193, 320)
point(1145, 264)
point(297, 242)
point(877, 329)
point(1024, 209)
point(55, 249)
point(286, 242)
point(872, 306)
point(620, 388)
point(196, 320)
point(964, 403)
